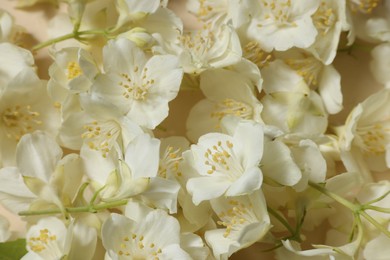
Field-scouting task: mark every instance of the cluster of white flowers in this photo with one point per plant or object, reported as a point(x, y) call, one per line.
point(82, 163)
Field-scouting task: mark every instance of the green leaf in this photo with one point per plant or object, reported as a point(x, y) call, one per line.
point(13, 250)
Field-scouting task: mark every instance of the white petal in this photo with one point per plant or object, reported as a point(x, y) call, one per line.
point(330, 90)
point(250, 136)
point(167, 76)
point(163, 193)
point(14, 194)
point(250, 181)
point(279, 165)
point(222, 247)
point(206, 188)
point(83, 242)
point(122, 55)
point(142, 156)
point(37, 155)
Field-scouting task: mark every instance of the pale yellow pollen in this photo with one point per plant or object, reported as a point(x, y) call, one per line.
point(375, 137)
point(364, 6)
point(233, 107)
point(278, 11)
point(233, 218)
point(324, 18)
point(254, 53)
point(199, 42)
point(99, 139)
point(135, 248)
point(20, 120)
point(73, 70)
point(132, 89)
point(41, 242)
point(170, 162)
point(308, 67)
point(221, 159)
point(204, 8)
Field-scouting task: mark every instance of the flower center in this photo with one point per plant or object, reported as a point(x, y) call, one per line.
point(236, 217)
point(198, 43)
point(233, 107)
point(222, 159)
point(324, 18)
point(204, 8)
point(170, 162)
point(308, 67)
point(42, 242)
point(254, 53)
point(135, 248)
point(375, 137)
point(73, 70)
point(101, 136)
point(276, 12)
point(364, 6)
point(134, 90)
point(20, 120)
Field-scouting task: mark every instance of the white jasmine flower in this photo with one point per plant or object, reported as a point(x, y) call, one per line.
point(127, 181)
point(227, 164)
point(227, 93)
point(368, 129)
point(50, 239)
point(329, 19)
point(281, 25)
point(71, 73)
point(100, 127)
point(41, 178)
point(212, 46)
point(289, 104)
point(244, 221)
point(323, 78)
point(128, 175)
point(145, 233)
point(24, 107)
point(140, 88)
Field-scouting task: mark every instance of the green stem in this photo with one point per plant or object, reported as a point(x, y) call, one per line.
point(379, 198)
point(73, 35)
point(95, 195)
point(336, 197)
point(379, 209)
point(53, 41)
point(375, 223)
point(281, 220)
point(355, 208)
point(89, 208)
